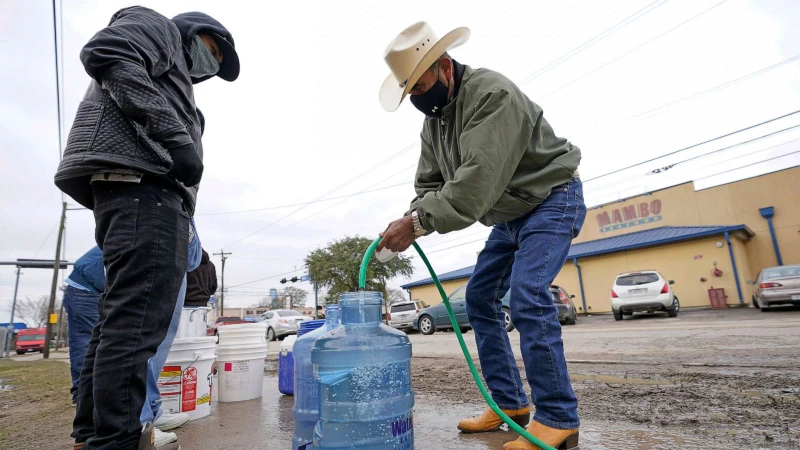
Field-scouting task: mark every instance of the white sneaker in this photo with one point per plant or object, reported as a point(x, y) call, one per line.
point(162, 438)
point(168, 421)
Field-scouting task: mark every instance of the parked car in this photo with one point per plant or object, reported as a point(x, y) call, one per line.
point(402, 314)
point(777, 286)
point(643, 291)
point(567, 313)
point(435, 318)
point(221, 321)
point(281, 323)
point(30, 340)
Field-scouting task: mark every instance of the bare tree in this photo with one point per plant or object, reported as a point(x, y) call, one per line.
point(297, 297)
point(34, 311)
point(395, 296)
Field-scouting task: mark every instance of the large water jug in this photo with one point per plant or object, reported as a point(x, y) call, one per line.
point(364, 371)
point(306, 389)
point(286, 366)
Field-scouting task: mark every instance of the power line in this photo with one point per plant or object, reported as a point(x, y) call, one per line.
point(536, 74)
point(631, 51)
point(718, 87)
point(577, 50)
point(45, 240)
point(669, 167)
point(303, 203)
point(334, 205)
point(692, 146)
point(749, 165)
point(703, 178)
point(749, 154)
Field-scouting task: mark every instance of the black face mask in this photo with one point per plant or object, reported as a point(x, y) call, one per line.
point(433, 101)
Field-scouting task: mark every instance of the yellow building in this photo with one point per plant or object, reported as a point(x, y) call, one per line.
point(719, 237)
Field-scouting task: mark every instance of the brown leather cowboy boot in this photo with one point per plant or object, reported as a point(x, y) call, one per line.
point(559, 439)
point(489, 421)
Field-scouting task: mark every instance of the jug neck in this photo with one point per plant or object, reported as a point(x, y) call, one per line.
point(361, 308)
point(332, 316)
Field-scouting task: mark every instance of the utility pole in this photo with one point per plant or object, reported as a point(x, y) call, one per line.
point(10, 335)
point(49, 333)
point(316, 302)
point(224, 256)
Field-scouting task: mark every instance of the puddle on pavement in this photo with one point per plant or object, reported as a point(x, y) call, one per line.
point(786, 397)
point(267, 423)
point(611, 379)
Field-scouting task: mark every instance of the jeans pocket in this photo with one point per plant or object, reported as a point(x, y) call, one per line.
point(116, 226)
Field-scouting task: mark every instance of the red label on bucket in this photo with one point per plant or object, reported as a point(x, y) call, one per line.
point(189, 390)
point(228, 367)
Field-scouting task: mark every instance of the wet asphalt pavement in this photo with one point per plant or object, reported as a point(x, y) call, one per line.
point(706, 380)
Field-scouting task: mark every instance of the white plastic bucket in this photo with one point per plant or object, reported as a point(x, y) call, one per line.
point(242, 334)
point(193, 323)
point(186, 379)
point(241, 371)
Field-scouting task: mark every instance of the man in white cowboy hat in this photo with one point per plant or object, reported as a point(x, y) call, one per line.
point(489, 155)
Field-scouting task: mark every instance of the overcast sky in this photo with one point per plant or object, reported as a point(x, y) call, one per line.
point(303, 121)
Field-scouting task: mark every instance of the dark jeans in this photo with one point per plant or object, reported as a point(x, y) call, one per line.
point(143, 230)
point(525, 255)
point(81, 307)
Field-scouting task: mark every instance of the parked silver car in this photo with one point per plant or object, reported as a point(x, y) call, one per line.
point(777, 286)
point(403, 314)
point(281, 323)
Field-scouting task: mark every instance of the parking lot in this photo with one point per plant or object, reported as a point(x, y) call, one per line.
point(704, 380)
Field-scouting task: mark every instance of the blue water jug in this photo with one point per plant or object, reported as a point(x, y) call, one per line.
point(364, 371)
point(286, 366)
point(306, 389)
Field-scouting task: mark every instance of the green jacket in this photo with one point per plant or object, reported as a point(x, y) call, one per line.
point(491, 158)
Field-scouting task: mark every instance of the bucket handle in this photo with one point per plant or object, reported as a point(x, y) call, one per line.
point(197, 357)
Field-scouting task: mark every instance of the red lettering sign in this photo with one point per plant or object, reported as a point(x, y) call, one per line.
point(644, 210)
point(629, 212)
point(655, 207)
point(617, 216)
point(603, 219)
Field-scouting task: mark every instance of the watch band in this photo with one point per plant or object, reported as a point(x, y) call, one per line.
point(419, 230)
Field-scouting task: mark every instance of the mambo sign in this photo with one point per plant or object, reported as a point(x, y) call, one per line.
point(630, 216)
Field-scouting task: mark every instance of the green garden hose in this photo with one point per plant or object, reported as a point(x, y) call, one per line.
point(362, 282)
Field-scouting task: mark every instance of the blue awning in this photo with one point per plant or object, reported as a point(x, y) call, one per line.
point(630, 241)
point(454, 275)
point(652, 238)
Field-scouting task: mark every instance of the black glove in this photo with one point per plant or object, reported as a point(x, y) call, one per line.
point(186, 165)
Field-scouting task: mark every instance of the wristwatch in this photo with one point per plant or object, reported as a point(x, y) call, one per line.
point(419, 230)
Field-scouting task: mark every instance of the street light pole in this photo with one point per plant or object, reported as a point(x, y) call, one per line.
point(222, 291)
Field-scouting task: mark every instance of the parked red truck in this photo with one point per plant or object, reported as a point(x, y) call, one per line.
point(30, 340)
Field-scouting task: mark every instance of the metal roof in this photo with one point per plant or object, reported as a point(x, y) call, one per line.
point(454, 275)
point(630, 241)
point(652, 238)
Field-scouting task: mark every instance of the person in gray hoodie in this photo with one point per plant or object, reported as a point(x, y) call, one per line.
point(134, 157)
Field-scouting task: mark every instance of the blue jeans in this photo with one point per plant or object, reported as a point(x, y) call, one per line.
point(525, 255)
point(82, 315)
point(152, 405)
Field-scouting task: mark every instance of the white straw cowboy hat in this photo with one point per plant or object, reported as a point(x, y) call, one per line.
point(409, 55)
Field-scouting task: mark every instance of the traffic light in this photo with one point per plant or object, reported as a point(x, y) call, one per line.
point(293, 280)
point(283, 281)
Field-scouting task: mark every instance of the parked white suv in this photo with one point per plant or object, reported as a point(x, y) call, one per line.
point(402, 314)
point(643, 291)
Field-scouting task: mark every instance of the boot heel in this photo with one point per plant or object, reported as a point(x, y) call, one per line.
point(522, 420)
point(570, 442)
